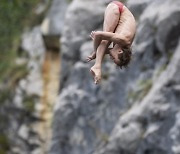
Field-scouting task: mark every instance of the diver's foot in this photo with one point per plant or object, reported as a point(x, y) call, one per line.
point(91, 57)
point(96, 72)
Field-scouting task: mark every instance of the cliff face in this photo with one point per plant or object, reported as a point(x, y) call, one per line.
point(134, 110)
point(29, 74)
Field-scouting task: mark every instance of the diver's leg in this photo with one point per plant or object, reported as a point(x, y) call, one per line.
point(93, 54)
point(96, 42)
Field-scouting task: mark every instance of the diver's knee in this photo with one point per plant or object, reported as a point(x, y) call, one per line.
point(104, 41)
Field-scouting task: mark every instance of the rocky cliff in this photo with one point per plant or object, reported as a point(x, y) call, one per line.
point(29, 74)
point(134, 110)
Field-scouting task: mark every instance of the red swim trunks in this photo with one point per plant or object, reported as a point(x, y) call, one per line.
point(119, 4)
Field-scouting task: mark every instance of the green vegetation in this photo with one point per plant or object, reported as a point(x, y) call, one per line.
point(105, 75)
point(18, 72)
point(4, 95)
point(161, 69)
point(69, 1)
point(169, 55)
point(4, 144)
point(133, 95)
point(11, 77)
point(15, 15)
point(164, 66)
point(29, 102)
point(143, 87)
point(144, 68)
point(123, 1)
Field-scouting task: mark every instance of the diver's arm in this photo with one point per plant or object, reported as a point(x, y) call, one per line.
point(113, 37)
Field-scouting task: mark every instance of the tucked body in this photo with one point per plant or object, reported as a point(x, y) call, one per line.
point(119, 27)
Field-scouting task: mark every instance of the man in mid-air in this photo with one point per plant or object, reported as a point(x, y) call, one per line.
point(119, 28)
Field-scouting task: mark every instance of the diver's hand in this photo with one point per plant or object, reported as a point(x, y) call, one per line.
point(92, 35)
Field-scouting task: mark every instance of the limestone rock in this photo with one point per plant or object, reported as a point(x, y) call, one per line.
point(54, 21)
point(134, 110)
point(20, 105)
point(85, 50)
point(137, 7)
point(33, 44)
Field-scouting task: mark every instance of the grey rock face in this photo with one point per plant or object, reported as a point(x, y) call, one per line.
point(19, 112)
point(54, 22)
point(137, 7)
point(134, 110)
point(32, 43)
